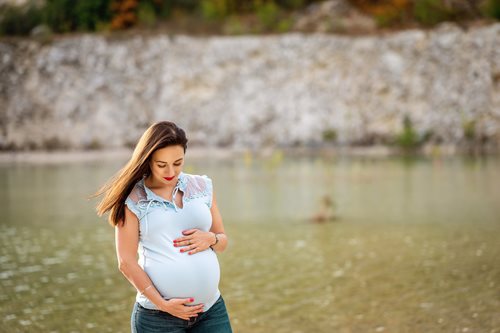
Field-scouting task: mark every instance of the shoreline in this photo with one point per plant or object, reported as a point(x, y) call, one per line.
point(77, 156)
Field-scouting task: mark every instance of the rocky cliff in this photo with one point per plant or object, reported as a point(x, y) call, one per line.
point(93, 91)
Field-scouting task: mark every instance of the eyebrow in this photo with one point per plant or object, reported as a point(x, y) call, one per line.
point(180, 159)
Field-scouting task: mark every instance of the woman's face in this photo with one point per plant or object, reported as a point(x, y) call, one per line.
point(166, 164)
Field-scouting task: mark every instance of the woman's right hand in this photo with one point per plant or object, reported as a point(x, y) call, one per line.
point(177, 307)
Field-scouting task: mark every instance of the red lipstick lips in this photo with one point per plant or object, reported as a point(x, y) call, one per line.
point(169, 178)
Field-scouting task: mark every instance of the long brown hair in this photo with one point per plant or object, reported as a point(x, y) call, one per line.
point(118, 187)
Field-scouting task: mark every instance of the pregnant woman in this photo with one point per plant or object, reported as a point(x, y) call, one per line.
point(170, 218)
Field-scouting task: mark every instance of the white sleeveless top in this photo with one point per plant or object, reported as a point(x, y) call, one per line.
point(176, 274)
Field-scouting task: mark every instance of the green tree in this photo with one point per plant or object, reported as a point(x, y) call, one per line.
point(69, 15)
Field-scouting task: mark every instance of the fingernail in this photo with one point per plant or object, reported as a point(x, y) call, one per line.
point(191, 299)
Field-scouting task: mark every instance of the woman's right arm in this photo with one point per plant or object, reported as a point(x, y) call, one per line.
point(127, 241)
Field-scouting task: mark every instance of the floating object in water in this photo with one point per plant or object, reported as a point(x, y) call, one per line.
point(326, 212)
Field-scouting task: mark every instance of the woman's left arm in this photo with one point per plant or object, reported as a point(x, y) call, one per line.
point(196, 240)
point(220, 238)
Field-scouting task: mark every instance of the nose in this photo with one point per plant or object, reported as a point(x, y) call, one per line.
point(170, 172)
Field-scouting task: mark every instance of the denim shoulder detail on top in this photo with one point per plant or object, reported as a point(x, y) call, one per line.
point(141, 198)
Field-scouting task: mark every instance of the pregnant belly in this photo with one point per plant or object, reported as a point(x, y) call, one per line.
point(184, 276)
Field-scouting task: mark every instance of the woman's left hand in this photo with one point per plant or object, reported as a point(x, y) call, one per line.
point(194, 241)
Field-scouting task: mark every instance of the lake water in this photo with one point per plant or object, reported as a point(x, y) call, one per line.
point(414, 245)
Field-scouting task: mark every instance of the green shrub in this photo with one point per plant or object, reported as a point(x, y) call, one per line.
point(60, 15)
point(52, 143)
point(19, 20)
point(408, 139)
point(233, 26)
point(491, 8)
point(291, 4)
point(214, 9)
point(94, 144)
point(389, 19)
point(430, 12)
point(146, 14)
point(268, 14)
point(90, 13)
point(383, 20)
point(68, 15)
point(469, 128)
point(330, 135)
point(284, 25)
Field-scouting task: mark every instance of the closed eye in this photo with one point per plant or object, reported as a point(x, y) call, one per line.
point(162, 166)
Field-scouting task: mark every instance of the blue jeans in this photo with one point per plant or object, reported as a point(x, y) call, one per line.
point(215, 320)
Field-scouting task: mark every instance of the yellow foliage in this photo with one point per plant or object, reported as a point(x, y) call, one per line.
point(382, 7)
point(124, 13)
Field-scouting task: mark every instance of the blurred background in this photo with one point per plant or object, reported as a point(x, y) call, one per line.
point(353, 146)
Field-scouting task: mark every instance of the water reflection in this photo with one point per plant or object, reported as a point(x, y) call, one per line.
point(415, 248)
